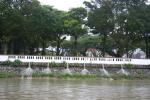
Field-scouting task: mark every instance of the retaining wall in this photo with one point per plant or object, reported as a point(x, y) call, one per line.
point(94, 69)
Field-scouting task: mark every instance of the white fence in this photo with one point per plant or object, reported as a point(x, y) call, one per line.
point(83, 60)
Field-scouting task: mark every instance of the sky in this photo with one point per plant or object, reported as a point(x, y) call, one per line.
point(63, 4)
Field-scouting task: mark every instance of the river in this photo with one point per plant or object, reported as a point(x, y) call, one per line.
point(61, 89)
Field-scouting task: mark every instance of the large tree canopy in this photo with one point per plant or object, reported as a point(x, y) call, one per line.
point(122, 21)
point(26, 27)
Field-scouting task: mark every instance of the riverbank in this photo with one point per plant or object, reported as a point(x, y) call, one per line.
point(80, 71)
point(76, 76)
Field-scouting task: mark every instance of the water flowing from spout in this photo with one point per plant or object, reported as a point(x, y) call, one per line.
point(27, 72)
point(123, 71)
point(104, 72)
point(47, 70)
point(67, 70)
point(85, 71)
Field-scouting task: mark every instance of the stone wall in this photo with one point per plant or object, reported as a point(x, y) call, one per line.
point(136, 70)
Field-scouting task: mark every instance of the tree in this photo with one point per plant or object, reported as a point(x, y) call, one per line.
point(126, 33)
point(45, 23)
point(27, 36)
point(25, 25)
point(8, 16)
point(59, 29)
point(75, 24)
point(117, 20)
point(100, 18)
point(142, 17)
point(84, 42)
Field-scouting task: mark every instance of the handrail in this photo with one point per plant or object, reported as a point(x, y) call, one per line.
point(71, 59)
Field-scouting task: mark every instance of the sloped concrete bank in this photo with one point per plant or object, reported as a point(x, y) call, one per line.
point(93, 69)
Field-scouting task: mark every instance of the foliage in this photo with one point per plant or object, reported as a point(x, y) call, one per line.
point(74, 24)
point(8, 63)
point(122, 22)
point(122, 25)
point(64, 64)
point(16, 63)
point(53, 64)
point(84, 42)
point(100, 19)
point(128, 65)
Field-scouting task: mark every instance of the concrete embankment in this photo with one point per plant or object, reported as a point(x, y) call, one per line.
point(93, 69)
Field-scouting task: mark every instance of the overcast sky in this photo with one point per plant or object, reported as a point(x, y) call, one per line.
point(63, 4)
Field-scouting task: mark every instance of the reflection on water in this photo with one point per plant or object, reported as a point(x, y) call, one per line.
point(54, 89)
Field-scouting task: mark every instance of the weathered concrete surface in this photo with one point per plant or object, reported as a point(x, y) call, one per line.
point(95, 69)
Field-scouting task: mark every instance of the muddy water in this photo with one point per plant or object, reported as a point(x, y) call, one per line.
point(58, 89)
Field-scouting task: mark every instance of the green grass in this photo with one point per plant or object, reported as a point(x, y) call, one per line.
point(42, 75)
point(129, 77)
point(7, 75)
point(77, 76)
point(64, 75)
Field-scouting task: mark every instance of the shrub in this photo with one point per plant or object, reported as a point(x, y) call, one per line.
point(64, 64)
point(16, 63)
point(8, 63)
point(53, 64)
point(128, 65)
point(7, 74)
point(76, 64)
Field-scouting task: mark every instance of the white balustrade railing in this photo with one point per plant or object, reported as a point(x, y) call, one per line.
point(67, 59)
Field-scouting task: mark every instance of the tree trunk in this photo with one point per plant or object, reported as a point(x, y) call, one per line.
point(5, 48)
point(75, 45)
point(75, 42)
point(24, 50)
point(127, 44)
point(1, 48)
point(43, 48)
point(104, 45)
point(11, 48)
point(31, 50)
point(37, 50)
point(58, 46)
point(146, 46)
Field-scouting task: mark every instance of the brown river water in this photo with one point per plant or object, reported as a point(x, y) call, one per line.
point(59, 89)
